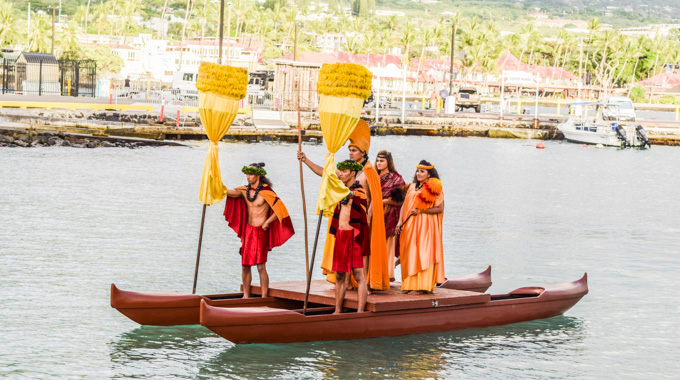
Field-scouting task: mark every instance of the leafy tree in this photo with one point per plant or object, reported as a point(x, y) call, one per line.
point(8, 24)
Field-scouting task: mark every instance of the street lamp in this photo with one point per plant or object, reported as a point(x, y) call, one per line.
point(228, 31)
point(53, 9)
point(221, 29)
point(453, 50)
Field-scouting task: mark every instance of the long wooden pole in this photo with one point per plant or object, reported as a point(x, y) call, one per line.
point(302, 189)
point(302, 182)
point(198, 255)
point(311, 268)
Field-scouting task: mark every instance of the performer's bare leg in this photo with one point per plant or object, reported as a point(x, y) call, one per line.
point(365, 272)
point(264, 279)
point(362, 289)
point(247, 278)
point(340, 287)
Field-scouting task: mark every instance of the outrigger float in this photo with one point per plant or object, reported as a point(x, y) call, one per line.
point(167, 309)
point(389, 314)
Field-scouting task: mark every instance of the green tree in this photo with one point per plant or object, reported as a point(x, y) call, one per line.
point(333, 6)
point(39, 39)
point(8, 24)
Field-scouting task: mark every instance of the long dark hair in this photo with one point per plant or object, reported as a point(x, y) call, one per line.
point(433, 171)
point(263, 179)
point(388, 157)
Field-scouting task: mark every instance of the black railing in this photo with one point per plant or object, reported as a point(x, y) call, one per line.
point(66, 78)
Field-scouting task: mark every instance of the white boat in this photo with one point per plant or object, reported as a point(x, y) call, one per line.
point(586, 126)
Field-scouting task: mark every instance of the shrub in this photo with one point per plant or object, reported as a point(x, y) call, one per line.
point(668, 99)
point(637, 94)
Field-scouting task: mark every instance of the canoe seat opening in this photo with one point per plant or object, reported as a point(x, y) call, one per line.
point(526, 292)
point(231, 297)
point(325, 310)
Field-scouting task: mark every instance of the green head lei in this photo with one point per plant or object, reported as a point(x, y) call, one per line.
point(351, 165)
point(254, 171)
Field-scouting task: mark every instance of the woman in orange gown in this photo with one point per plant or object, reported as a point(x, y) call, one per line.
point(420, 239)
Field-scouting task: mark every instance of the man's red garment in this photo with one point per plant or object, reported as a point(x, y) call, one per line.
point(279, 231)
point(347, 253)
point(357, 219)
point(255, 246)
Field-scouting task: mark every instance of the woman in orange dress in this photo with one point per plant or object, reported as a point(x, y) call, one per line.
point(420, 239)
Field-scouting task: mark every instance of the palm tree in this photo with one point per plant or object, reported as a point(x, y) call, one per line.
point(39, 37)
point(8, 24)
point(658, 46)
point(528, 34)
point(639, 46)
point(352, 45)
point(68, 38)
point(369, 42)
point(593, 26)
point(406, 38)
point(607, 38)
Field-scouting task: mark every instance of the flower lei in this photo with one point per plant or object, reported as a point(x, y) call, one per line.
point(257, 191)
point(353, 166)
point(253, 171)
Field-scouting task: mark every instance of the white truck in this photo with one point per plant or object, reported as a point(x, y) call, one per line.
point(618, 108)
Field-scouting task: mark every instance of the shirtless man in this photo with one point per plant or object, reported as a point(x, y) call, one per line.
point(260, 219)
point(350, 227)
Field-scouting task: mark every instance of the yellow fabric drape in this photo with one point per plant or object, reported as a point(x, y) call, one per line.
point(217, 113)
point(338, 116)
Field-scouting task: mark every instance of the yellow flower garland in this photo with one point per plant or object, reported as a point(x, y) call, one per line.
point(223, 80)
point(344, 79)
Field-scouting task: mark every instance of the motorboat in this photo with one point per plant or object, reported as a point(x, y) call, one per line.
point(586, 125)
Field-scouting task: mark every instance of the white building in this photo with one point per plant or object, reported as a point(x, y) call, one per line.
point(147, 58)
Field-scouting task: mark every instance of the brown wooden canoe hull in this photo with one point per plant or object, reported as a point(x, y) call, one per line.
point(478, 282)
point(168, 309)
point(266, 325)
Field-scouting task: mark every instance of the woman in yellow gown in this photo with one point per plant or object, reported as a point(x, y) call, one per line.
point(420, 239)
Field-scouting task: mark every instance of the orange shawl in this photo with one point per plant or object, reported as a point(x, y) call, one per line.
point(378, 270)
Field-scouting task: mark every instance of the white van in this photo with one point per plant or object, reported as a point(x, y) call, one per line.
point(618, 108)
point(184, 83)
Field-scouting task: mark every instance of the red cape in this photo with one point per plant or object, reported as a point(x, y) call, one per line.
point(280, 230)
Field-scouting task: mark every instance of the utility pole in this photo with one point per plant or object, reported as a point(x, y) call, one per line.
point(221, 29)
point(228, 32)
point(53, 13)
point(453, 52)
point(295, 49)
point(580, 73)
point(28, 31)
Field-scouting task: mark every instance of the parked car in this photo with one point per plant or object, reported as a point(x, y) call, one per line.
point(618, 108)
point(468, 97)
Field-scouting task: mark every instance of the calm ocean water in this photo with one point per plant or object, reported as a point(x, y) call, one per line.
point(72, 221)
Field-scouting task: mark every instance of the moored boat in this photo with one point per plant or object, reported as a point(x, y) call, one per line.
point(169, 308)
point(587, 126)
point(397, 314)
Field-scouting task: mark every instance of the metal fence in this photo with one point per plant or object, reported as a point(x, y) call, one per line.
point(66, 78)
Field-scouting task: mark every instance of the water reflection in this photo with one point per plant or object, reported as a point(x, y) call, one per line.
point(162, 350)
point(414, 356)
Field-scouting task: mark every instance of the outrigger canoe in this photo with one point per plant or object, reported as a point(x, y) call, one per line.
point(389, 314)
point(168, 309)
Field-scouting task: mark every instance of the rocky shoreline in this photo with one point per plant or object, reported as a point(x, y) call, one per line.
point(19, 138)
